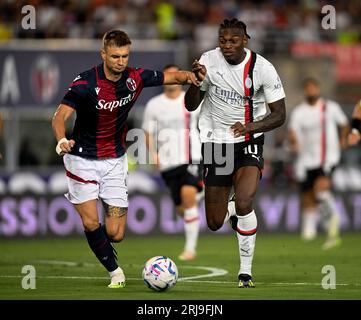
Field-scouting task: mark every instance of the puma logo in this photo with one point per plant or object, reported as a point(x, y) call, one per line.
point(245, 251)
point(254, 156)
point(220, 74)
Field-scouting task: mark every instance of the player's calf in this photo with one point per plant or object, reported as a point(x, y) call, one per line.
point(102, 248)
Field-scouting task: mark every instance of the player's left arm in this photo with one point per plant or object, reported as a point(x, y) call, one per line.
point(275, 119)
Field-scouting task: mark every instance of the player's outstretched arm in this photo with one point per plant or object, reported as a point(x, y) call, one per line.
point(181, 77)
point(60, 117)
point(274, 120)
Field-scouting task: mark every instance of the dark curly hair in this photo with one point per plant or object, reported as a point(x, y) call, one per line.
point(234, 23)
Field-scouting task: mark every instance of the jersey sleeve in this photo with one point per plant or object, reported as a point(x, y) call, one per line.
point(152, 78)
point(339, 115)
point(272, 85)
point(205, 61)
point(76, 93)
point(149, 123)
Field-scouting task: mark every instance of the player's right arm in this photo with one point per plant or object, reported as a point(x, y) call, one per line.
point(293, 132)
point(61, 115)
point(149, 141)
point(150, 126)
point(292, 141)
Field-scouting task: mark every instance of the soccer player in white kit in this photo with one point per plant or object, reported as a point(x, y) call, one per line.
point(172, 138)
point(314, 138)
point(237, 87)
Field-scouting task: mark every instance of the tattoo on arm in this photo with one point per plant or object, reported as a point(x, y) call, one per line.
point(275, 119)
point(112, 211)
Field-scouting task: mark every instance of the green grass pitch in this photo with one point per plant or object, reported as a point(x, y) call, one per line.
point(284, 268)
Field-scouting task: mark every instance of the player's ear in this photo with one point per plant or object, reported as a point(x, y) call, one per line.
point(102, 53)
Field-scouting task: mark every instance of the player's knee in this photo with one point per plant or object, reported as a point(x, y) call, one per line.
point(214, 225)
point(244, 204)
point(116, 236)
point(90, 224)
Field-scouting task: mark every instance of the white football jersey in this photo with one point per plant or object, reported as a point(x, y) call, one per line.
point(226, 87)
point(316, 129)
point(174, 130)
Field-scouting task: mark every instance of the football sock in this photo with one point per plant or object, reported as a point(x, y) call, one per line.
point(329, 214)
point(246, 235)
point(102, 248)
point(309, 224)
point(191, 228)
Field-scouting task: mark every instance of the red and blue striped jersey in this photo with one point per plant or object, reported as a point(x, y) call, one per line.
point(102, 108)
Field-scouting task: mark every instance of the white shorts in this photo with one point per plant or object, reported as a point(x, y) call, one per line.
point(93, 179)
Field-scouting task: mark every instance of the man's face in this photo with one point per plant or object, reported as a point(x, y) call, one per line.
point(232, 42)
point(312, 92)
point(116, 58)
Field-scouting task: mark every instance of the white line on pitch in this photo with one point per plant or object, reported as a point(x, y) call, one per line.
point(195, 281)
point(214, 272)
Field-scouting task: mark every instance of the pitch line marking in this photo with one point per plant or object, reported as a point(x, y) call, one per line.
point(214, 272)
point(195, 281)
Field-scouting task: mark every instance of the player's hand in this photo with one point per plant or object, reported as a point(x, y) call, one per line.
point(199, 70)
point(192, 79)
point(353, 138)
point(64, 146)
point(239, 129)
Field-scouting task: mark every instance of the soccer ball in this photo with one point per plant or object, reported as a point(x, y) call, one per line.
point(160, 273)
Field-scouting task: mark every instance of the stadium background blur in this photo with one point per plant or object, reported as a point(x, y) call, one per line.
point(37, 65)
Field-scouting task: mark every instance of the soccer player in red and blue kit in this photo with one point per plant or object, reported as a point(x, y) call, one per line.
point(95, 158)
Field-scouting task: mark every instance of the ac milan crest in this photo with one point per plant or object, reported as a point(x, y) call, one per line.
point(248, 82)
point(131, 84)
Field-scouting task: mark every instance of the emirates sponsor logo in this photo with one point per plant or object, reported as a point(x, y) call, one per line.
point(110, 105)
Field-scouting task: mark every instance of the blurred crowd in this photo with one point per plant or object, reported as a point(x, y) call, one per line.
point(192, 20)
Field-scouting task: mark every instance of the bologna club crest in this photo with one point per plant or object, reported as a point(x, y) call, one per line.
point(131, 84)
